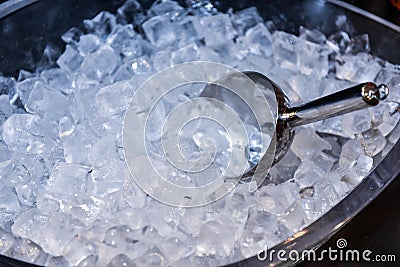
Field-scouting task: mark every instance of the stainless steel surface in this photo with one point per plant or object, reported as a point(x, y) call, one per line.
point(351, 99)
point(358, 97)
point(11, 6)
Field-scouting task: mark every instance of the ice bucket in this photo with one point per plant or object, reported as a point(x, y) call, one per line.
point(26, 34)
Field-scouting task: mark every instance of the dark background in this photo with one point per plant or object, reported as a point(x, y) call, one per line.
point(377, 227)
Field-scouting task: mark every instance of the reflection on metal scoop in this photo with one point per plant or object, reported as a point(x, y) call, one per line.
point(287, 118)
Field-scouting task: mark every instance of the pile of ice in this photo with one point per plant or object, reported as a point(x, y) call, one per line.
point(66, 198)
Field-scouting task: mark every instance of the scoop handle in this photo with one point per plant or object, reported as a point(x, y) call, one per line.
point(351, 99)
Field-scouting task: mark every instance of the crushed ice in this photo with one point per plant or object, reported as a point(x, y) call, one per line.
point(66, 198)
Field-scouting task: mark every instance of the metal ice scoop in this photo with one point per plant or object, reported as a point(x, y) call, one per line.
point(287, 118)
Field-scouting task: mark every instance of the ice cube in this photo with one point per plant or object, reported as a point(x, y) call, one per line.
point(313, 36)
point(259, 40)
point(27, 251)
point(355, 123)
point(100, 64)
point(351, 151)
point(324, 161)
point(307, 87)
point(24, 88)
point(307, 144)
point(216, 30)
point(7, 241)
point(331, 194)
point(161, 59)
point(308, 175)
point(5, 152)
point(65, 127)
point(123, 73)
point(109, 172)
point(167, 8)
point(215, 239)
point(293, 218)
point(24, 74)
point(362, 68)
point(141, 65)
point(238, 49)
point(85, 208)
point(294, 53)
point(285, 50)
point(117, 236)
point(68, 179)
point(89, 261)
point(26, 195)
point(130, 12)
point(20, 131)
point(46, 102)
point(134, 196)
point(70, 60)
point(187, 33)
point(358, 170)
point(101, 25)
point(373, 142)
point(57, 261)
point(359, 44)
point(72, 36)
point(8, 87)
point(386, 74)
point(315, 203)
point(254, 148)
point(14, 173)
point(49, 56)
point(202, 7)
point(159, 31)
point(125, 41)
point(58, 80)
point(390, 118)
point(394, 136)
point(270, 26)
point(160, 224)
point(251, 61)
point(50, 232)
point(88, 44)
point(341, 41)
point(274, 198)
point(121, 261)
point(209, 54)
point(394, 85)
point(175, 248)
point(259, 233)
point(47, 204)
point(314, 60)
point(341, 21)
point(331, 126)
point(185, 54)
point(285, 168)
point(5, 109)
point(152, 257)
point(9, 205)
point(246, 18)
point(77, 146)
point(77, 251)
point(363, 165)
point(113, 100)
